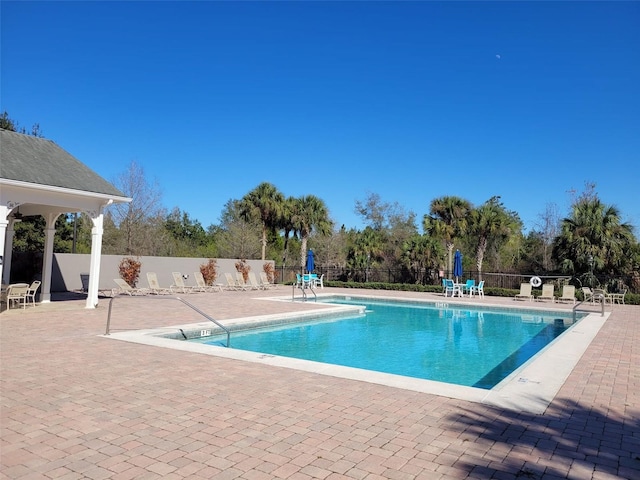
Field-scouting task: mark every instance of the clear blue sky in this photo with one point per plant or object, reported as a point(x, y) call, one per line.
point(408, 100)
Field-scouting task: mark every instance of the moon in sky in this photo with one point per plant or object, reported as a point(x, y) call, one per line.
point(498, 57)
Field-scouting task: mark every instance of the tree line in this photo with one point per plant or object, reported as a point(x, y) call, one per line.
point(591, 241)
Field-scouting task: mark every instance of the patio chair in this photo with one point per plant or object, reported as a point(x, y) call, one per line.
point(452, 288)
point(617, 297)
point(568, 294)
point(318, 281)
point(31, 292)
point(125, 288)
point(588, 294)
point(525, 292)
point(17, 294)
point(466, 288)
point(477, 289)
point(178, 284)
point(154, 285)
point(303, 281)
point(548, 293)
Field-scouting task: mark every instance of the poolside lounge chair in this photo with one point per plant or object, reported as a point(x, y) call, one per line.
point(253, 281)
point(548, 290)
point(240, 282)
point(154, 285)
point(125, 288)
point(568, 294)
point(178, 284)
point(31, 292)
point(264, 281)
point(201, 285)
point(17, 294)
point(231, 283)
point(477, 289)
point(525, 292)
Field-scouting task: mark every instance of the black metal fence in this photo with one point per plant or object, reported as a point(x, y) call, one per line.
point(433, 277)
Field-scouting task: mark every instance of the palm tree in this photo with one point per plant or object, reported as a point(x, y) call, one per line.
point(285, 223)
point(366, 251)
point(309, 213)
point(421, 253)
point(593, 238)
point(491, 222)
point(448, 220)
point(264, 203)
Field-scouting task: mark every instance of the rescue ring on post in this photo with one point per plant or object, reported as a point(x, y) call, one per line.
point(535, 281)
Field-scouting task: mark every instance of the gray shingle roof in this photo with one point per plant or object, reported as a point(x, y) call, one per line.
point(30, 159)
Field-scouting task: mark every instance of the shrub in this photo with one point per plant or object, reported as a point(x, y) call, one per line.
point(270, 270)
point(129, 269)
point(243, 267)
point(209, 271)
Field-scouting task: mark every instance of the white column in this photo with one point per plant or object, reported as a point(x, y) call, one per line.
point(5, 264)
point(96, 253)
point(47, 258)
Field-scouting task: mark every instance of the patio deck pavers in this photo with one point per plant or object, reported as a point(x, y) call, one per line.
point(77, 405)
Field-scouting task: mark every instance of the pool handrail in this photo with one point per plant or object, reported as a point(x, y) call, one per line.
point(169, 297)
point(600, 296)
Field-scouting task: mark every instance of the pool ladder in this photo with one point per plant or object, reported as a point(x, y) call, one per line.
point(599, 297)
point(171, 297)
point(303, 287)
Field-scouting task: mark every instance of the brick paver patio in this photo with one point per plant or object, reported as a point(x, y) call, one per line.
point(75, 405)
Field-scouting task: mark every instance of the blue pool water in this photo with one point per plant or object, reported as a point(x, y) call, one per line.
point(463, 346)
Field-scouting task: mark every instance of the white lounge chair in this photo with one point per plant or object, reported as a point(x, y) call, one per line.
point(525, 292)
point(154, 285)
point(201, 285)
point(241, 284)
point(253, 282)
point(125, 288)
point(231, 283)
point(568, 294)
point(264, 281)
point(178, 284)
point(548, 293)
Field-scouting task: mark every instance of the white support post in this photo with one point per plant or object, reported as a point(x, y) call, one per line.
point(5, 229)
point(96, 253)
point(47, 258)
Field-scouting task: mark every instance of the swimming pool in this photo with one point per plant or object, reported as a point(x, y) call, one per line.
point(462, 345)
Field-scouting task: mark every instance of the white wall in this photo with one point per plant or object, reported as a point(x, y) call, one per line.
point(69, 268)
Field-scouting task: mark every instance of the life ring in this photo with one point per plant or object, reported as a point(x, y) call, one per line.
point(535, 281)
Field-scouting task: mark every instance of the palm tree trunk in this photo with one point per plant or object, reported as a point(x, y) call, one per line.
point(482, 247)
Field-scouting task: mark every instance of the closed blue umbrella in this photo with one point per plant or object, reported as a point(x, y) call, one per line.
point(310, 261)
point(457, 265)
